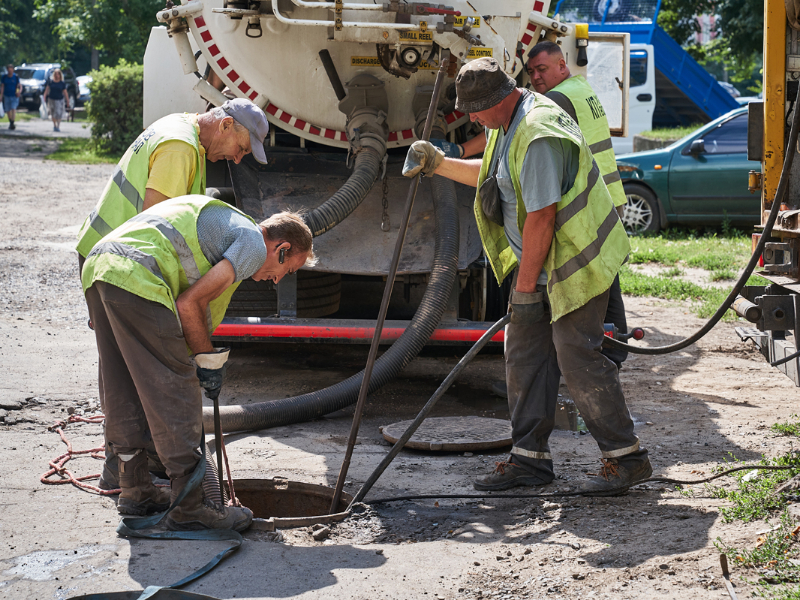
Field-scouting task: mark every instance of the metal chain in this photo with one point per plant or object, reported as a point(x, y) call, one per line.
point(385, 223)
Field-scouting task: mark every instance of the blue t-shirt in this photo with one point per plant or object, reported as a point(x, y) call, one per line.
point(224, 233)
point(9, 84)
point(56, 89)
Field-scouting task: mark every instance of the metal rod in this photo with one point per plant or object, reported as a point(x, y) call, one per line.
point(333, 75)
point(423, 414)
point(218, 448)
point(387, 291)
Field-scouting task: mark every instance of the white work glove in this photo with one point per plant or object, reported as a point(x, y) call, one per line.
point(422, 156)
point(211, 370)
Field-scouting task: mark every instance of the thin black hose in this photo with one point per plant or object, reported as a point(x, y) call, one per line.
point(575, 493)
point(773, 215)
point(335, 209)
point(785, 359)
point(315, 404)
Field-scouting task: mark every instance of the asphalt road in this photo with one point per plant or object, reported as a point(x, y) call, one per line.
point(44, 128)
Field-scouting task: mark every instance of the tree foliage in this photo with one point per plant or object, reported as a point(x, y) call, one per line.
point(116, 106)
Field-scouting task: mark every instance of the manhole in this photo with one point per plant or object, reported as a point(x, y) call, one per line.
point(282, 504)
point(453, 434)
point(160, 595)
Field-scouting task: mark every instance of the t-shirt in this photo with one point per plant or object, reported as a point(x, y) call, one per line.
point(173, 166)
point(56, 90)
point(224, 233)
point(9, 84)
point(548, 172)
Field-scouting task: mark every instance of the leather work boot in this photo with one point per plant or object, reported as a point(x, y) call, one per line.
point(109, 478)
point(615, 477)
point(506, 475)
point(198, 512)
point(139, 496)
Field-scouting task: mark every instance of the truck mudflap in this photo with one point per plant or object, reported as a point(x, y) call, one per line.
point(345, 331)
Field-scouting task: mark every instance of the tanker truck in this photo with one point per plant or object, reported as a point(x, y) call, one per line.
point(346, 87)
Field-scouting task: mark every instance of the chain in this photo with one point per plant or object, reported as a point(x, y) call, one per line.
point(385, 223)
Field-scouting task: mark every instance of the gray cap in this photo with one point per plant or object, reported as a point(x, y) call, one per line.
point(254, 120)
point(481, 84)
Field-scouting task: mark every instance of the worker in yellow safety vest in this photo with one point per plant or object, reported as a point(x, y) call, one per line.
point(168, 159)
point(158, 284)
point(544, 214)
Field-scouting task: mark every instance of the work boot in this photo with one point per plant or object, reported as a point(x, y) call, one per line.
point(506, 475)
point(197, 512)
point(139, 496)
point(109, 478)
point(615, 477)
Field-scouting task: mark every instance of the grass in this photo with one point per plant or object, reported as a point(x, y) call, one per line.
point(673, 133)
point(80, 151)
point(774, 558)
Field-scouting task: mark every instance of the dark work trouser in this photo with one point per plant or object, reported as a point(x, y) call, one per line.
point(536, 356)
point(615, 313)
point(148, 386)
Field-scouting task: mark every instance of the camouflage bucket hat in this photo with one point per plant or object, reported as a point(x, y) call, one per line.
point(481, 84)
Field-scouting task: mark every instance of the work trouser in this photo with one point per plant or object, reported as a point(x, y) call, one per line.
point(536, 357)
point(615, 313)
point(110, 474)
point(148, 386)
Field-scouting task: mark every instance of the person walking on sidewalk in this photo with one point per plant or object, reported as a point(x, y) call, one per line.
point(155, 286)
point(12, 90)
point(56, 98)
point(543, 209)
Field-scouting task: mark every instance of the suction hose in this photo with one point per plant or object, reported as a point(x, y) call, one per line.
point(335, 209)
point(783, 183)
point(286, 411)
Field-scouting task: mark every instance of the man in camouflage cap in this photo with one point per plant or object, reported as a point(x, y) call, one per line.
point(546, 216)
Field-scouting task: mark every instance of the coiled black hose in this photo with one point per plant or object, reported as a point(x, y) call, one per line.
point(335, 209)
point(286, 411)
point(783, 184)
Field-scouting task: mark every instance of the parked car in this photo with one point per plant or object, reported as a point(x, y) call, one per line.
point(34, 78)
point(84, 94)
point(700, 179)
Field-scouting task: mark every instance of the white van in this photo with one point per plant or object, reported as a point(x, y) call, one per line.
point(642, 99)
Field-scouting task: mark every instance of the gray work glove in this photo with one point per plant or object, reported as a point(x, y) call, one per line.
point(422, 156)
point(211, 370)
point(450, 149)
point(526, 308)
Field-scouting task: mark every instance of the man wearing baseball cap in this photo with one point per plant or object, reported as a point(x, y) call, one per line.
point(168, 160)
point(545, 215)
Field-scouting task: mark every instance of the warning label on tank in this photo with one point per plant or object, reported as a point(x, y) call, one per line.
point(364, 61)
point(479, 52)
point(461, 20)
point(416, 36)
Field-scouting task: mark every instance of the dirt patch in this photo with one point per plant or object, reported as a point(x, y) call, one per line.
point(693, 409)
point(694, 275)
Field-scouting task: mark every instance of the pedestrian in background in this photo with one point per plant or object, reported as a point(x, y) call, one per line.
point(12, 90)
point(56, 97)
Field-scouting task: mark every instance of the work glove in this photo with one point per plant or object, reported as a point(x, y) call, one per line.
point(422, 156)
point(450, 149)
point(211, 370)
point(526, 308)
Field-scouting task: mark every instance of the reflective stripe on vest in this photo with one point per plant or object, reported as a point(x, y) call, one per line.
point(123, 196)
point(589, 242)
point(592, 120)
point(156, 255)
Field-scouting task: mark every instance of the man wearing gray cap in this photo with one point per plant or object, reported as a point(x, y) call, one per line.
point(544, 213)
point(168, 160)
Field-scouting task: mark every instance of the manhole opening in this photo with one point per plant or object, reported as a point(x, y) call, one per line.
point(284, 499)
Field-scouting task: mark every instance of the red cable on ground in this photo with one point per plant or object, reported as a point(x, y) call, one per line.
point(57, 465)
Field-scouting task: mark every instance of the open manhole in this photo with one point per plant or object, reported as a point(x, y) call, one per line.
point(282, 504)
point(453, 434)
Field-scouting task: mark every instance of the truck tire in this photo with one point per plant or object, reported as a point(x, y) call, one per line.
point(318, 295)
point(642, 212)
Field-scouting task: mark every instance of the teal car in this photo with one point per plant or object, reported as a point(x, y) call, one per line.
point(699, 180)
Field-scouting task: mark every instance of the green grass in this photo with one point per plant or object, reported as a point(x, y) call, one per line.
point(773, 558)
point(709, 251)
point(673, 133)
point(80, 151)
point(673, 272)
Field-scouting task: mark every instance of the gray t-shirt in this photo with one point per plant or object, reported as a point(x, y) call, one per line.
point(548, 171)
point(224, 233)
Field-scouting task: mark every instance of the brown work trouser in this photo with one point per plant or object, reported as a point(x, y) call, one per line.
point(148, 385)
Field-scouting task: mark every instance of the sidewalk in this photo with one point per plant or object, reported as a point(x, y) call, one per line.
point(38, 127)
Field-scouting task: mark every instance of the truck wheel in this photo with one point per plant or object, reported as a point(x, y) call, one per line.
point(318, 295)
point(642, 212)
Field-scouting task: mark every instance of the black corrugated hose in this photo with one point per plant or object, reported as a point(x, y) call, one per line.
point(335, 209)
point(286, 411)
